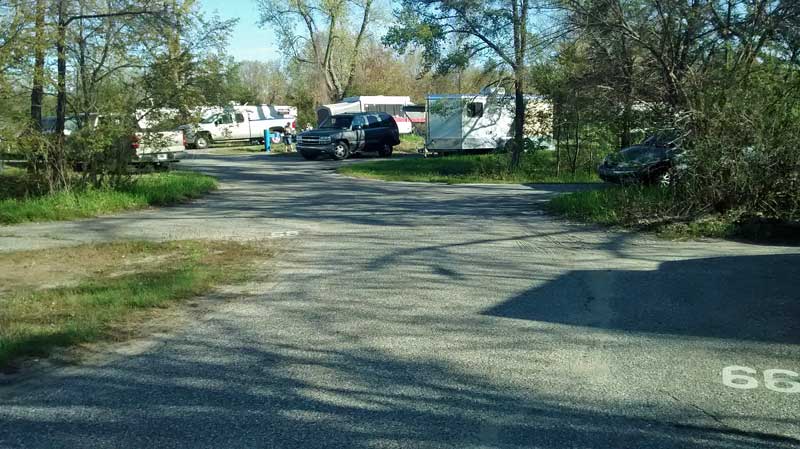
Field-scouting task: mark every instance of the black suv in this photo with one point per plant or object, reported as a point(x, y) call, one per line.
point(344, 134)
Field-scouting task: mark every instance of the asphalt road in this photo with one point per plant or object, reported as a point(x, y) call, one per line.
point(422, 316)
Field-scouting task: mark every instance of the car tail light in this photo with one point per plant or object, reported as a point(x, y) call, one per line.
point(183, 137)
point(135, 142)
point(294, 124)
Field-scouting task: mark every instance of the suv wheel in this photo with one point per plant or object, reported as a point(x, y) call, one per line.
point(385, 151)
point(665, 179)
point(341, 150)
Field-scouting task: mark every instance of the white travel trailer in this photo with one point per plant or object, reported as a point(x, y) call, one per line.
point(392, 105)
point(481, 122)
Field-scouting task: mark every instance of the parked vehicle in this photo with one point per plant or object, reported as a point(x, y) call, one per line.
point(392, 105)
point(242, 123)
point(651, 162)
point(148, 144)
point(342, 135)
point(481, 122)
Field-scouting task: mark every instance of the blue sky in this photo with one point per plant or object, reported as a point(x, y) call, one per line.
point(248, 40)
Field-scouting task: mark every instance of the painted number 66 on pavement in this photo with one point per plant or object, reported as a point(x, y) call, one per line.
point(744, 378)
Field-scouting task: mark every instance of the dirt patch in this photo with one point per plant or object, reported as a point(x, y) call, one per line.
point(67, 299)
point(65, 267)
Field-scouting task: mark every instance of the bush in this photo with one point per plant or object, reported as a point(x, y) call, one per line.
point(744, 154)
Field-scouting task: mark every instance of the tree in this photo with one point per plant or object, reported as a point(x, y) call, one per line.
point(263, 82)
point(493, 30)
point(318, 33)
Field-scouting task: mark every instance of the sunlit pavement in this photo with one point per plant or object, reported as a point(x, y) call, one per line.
point(417, 316)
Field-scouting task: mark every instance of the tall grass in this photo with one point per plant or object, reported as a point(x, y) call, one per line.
point(486, 168)
point(146, 190)
point(643, 207)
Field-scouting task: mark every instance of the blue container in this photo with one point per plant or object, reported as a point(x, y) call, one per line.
point(267, 141)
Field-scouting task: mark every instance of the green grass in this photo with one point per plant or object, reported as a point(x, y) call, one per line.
point(126, 280)
point(486, 168)
point(409, 143)
point(648, 208)
point(156, 189)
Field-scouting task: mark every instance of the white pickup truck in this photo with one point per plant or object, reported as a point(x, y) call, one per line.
point(241, 123)
point(149, 146)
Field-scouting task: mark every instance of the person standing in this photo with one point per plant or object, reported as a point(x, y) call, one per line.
point(288, 137)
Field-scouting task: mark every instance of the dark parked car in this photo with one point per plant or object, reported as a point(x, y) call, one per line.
point(342, 135)
point(650, 162)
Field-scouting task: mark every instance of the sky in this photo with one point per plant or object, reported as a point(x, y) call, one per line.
point(248, 41)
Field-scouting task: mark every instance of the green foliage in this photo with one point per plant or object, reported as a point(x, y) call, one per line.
point(82, 202)
point(744, 156)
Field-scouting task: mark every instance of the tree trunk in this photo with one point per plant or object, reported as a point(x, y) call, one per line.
point(520, 14)
point(57, 162)
point(519, 119)
point(557, 130)
point(37, 91)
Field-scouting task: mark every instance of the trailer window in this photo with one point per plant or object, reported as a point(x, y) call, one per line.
point(239, 118)
point(475, 109)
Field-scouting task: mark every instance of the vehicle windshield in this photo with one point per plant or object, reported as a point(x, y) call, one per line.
point(338, 122)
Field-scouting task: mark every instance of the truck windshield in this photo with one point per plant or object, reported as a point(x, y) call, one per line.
point(338, 122)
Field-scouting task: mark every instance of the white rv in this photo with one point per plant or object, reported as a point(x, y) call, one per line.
point(481, 122)
point(392, 105)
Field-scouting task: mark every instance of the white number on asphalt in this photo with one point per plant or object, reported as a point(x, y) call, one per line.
point(781, 384)
point(733, 380)
point(742, 377)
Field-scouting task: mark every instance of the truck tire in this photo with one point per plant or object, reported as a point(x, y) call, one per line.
point(201, 142)
point(340, 151)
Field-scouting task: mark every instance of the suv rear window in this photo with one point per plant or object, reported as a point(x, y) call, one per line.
point(374, 122)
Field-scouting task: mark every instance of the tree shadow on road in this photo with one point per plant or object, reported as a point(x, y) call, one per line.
point(740, 297)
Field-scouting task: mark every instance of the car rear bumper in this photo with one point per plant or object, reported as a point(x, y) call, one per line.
point(163, 157)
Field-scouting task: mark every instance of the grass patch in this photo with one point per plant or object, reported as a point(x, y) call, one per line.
point(409, 143)
point(486, 168)
point(648, 208)
point(155, 189)
point(115, 284)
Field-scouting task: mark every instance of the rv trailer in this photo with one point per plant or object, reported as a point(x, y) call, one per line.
point(392, 105)
point(481, 122)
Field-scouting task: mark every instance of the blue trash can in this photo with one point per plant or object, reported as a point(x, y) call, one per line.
point(267, 141)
